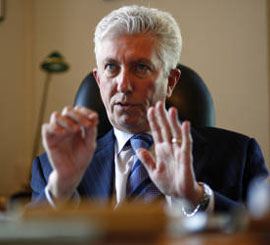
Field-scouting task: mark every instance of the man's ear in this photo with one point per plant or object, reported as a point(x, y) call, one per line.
point(173, 78)
point(96, 75)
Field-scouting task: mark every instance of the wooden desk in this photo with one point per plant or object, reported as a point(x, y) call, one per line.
point(130, 224)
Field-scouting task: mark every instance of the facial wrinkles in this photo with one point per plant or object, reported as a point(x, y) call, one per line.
point(150, 98)
point(137, 61)
point(154, 91)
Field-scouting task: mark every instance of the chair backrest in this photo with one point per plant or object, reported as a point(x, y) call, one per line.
point(191, 97)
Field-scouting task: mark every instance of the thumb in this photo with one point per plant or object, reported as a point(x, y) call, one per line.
point(146, 158)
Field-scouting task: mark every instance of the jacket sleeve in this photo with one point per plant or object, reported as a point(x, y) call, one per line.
point(38, 181)
point(253, 168)
point(41, 170)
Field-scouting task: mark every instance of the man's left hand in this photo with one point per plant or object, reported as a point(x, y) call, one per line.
point(172, 168)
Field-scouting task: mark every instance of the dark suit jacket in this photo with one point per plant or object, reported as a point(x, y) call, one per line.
point(225, 160)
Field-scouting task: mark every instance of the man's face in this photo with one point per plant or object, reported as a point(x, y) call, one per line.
point(131, 79)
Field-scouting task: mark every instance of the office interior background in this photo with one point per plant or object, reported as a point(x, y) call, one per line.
point(225, 41)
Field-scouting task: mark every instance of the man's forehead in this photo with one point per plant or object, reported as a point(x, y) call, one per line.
point(128, 40)
point(135, 48)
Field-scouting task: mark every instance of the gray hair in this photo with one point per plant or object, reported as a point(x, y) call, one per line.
point(139, 19)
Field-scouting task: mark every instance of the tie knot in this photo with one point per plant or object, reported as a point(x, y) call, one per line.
point(141, 141)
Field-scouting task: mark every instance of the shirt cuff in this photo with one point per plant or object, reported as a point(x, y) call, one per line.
point(49, 197)
point(75, 197)
point(180, 205)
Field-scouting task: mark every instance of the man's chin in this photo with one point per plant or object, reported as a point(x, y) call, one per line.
point(132, 126)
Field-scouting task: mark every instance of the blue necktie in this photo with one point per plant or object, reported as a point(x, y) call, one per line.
point(139, 185)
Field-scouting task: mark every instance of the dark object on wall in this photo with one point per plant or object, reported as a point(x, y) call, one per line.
point(191, 97)
point(2, 9)
point(52, 64)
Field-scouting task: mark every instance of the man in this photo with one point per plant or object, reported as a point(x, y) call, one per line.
point(137, 50)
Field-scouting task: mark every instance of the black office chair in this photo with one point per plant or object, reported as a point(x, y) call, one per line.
point(190, 96)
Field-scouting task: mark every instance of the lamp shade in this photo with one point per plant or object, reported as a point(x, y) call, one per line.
point(54, 63)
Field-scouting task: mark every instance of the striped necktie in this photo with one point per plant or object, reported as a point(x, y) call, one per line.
point(139, 185)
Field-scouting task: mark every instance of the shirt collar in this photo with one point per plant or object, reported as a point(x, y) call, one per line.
point(122, 138)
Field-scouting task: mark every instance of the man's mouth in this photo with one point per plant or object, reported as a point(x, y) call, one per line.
point(125, 105)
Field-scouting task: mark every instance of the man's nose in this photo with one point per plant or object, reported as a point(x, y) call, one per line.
point(124, 83)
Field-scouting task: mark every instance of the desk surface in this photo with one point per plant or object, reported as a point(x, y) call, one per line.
point(131, 224)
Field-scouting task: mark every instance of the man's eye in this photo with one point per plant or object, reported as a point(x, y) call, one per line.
point(142, 69)
point(110, 67)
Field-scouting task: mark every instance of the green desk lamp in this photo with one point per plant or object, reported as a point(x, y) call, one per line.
point(54, 63)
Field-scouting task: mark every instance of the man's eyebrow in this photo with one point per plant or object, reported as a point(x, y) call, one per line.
point(109, 60)
point(144, 61)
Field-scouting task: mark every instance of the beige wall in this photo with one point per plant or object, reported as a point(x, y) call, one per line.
point(225, 41)
point(15, 96)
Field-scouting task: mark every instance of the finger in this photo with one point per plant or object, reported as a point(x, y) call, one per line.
point(62, 122)
point(175, 124)
point(85, 118)
point(53, 117)
point(187, 139)
point(81, 116)
point(90, 114)
point(147, 159)
point(65, 122)
point(163, 121)
point(51, 131)
point(154, 126)
point(90, 131)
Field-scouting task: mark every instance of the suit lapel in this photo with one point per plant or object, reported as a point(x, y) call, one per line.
point(98, 180)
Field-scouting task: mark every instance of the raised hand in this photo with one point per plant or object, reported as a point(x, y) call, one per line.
point(172, 167)
point(70, 141)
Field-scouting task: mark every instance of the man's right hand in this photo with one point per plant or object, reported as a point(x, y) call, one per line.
point(70, 141)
